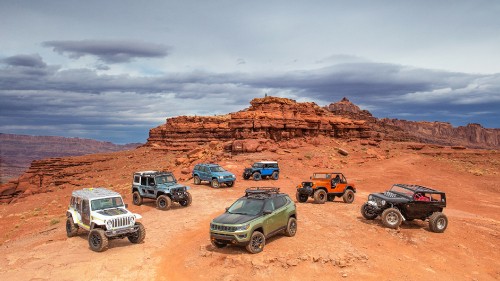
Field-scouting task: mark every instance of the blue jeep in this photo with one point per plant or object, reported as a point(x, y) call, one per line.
point(160, 186)
point(262, 170)
point(214, 174)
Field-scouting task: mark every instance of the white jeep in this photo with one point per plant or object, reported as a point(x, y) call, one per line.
point(102, 212)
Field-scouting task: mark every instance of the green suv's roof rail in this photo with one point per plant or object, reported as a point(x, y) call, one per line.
point(261, 191)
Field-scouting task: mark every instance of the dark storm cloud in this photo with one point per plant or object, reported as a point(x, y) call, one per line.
point(25, 60)
point(121, 108)
point(109, 51)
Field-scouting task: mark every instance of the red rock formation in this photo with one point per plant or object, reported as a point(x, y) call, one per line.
point(19, 150)
point(269, 118)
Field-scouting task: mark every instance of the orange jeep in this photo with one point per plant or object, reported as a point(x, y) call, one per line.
point(326, 186)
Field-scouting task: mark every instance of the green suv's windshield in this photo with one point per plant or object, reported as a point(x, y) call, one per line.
point(217, 169)
point(164, 179)
point(246, 206)
point(106, 203)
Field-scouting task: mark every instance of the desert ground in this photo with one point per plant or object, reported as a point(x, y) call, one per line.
point(333, 241)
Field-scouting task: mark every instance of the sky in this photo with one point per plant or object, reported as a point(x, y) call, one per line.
point(112, 70)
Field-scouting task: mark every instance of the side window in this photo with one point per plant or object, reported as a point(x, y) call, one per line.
point(144, 181)
point(72, 201)
point(279, 202)
point(197, 167)
point(343, 179)
point(151, 181)
point(137, 179)
point(78, 205)
point(269, 206)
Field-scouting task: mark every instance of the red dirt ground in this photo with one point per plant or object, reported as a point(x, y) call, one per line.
point(333, 240)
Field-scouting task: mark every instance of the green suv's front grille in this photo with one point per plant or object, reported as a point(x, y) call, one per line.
point(222, 227)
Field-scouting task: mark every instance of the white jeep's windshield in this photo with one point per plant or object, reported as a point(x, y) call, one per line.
point(164, 179)
point(217, 169)
point(246, 206)
point(106, 203)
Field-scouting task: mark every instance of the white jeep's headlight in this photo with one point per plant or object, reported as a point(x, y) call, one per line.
point(109, 224)
point(132, 220)
point(243, 227)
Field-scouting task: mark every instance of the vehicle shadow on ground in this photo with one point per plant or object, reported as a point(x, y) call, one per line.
point(152, 204)
point(416, 224)
point(112, 244)
point(238, 250)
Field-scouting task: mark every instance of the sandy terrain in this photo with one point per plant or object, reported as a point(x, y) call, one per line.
point(333, 240)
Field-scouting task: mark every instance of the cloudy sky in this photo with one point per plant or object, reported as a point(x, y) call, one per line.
point(111, 70)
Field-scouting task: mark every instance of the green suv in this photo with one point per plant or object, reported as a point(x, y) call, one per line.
point(260, 214)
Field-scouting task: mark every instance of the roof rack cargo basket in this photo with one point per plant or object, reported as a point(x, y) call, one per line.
point(262, 190)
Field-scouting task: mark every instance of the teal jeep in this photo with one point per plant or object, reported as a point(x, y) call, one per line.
point(260, 214)
point(159, 186)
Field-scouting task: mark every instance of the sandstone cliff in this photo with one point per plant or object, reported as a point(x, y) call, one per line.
point(270, 118)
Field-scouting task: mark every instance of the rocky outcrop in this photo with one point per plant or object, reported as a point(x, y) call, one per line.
point(269, 118)
point(472, 135)
point(18, 151)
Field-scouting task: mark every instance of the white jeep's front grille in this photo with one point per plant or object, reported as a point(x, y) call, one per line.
point(121, 222)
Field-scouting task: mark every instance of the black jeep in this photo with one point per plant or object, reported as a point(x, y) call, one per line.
point(407, 202)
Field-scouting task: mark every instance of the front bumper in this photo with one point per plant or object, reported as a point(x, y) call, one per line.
point(121, 231)
point(305, 191)
point(238, 238)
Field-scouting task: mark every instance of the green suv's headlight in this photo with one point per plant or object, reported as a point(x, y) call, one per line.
point(243, 227)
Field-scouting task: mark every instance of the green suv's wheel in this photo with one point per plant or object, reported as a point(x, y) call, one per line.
point(257, 176)
point(138, 236)
point(348, 196)
point(136, 198)
point(291, 227)
point(301, 197)
point(392, 218)
point(218, 244)
point(98, 241)
point(187, 201)
point(257, 242)
point(163, 202)
point(71, 227)
point(438, 222)
point(197, 180)
point(215, 183)
point(367, 213)
point(320, 196)
point(275, 176)
point(230, 183)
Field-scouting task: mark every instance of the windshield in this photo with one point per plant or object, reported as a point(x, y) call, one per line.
point(217, 169)
point(106, 203)
point(321, 176)
point(258, 165)
point(245, 206)
point(402, 190)
point(164, 179)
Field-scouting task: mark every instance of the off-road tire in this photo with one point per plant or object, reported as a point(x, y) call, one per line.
point(214, 183)
point(257, 243)
point(257, 176)
point(438, 222)
point(367, 215)
point(291, 227)
point(188, 201)
point(197, 180)
point(98, 241)
point(137, 198)
point(391, 218)
point(302, 198)
point(275, 175)
point(139, 235)
point(218, 245)
point(246, 177)
point(163, 202)
point(229, 183)
point(71, 227)
point(348, 196)
point(320, 196)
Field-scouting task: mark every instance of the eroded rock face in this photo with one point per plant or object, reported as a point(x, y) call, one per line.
point(472, 135)
point(269, 118)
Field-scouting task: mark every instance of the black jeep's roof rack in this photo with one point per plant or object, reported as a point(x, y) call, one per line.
point(261, 191)
point(420, 188)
